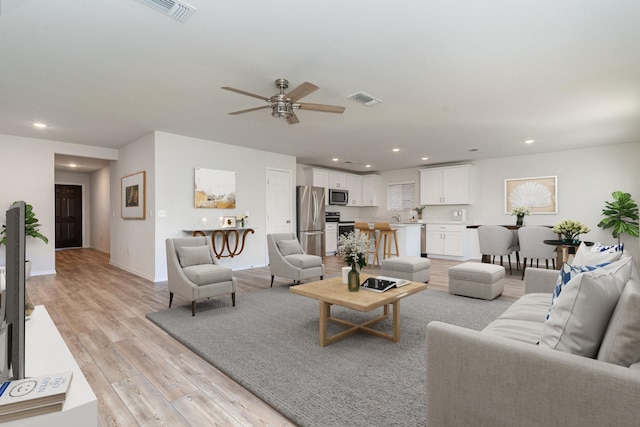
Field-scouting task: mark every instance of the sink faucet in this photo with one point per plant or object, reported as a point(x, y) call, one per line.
point(397, 218)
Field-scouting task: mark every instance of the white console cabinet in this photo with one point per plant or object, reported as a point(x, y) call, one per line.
point(450, 185)
point(46, 353)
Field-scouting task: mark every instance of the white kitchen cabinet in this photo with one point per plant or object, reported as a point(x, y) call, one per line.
point(338, 180)
point(450, 185)
point(354, 185)
point(331, 238)
point(319, 178)
point(448, 240)
point(370, 185)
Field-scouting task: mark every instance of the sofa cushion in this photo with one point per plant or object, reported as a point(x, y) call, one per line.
point(289, 247)
point(568, 272)
point(304, 261)
point(581, 313)
point(621, 342)
point(597, 254)
point(526, 331)
point(206, 274)
point(194, 255)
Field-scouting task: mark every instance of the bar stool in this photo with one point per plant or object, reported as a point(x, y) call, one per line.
point(363, 227)
point(384, 229)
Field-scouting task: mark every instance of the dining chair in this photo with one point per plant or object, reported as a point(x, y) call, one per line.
point(532, 246)
point(496, 240)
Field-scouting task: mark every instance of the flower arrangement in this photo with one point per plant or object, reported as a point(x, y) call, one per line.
point(242, 219)
point(570, 229)
point(353, 247)
point(521, 211)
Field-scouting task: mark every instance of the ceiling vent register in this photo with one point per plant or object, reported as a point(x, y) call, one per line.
point(365, 98)
point(175, 9)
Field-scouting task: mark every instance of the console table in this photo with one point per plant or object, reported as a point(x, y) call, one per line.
point(231, 241)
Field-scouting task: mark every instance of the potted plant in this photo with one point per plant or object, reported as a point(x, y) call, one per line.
point(31, 228)
point(621, 215)
point(520, 212)
point(419, 210)
point(570, 230)
point(353, 247)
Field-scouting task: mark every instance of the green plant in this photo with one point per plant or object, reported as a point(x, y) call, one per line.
point(621, 214)
point(419, 209)
point(31, 226)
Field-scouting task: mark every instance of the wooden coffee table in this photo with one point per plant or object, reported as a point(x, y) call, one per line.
point(333, 292)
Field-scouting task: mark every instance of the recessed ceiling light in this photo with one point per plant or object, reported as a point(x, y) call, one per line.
point(40, 125)
point(425, 158)
point(530, 141)
point(367, 166)
point(335, 159)
point(72, 165)
point(395, 150)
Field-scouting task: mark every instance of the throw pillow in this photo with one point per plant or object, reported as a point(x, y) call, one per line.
point(568, 272)
point(289, 247)
point(597, 254)
point(621, 342)
point(581, 313)
point(194, 255)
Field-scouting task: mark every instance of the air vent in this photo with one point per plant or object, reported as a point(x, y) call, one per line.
point(175, 9)
point(365, 98)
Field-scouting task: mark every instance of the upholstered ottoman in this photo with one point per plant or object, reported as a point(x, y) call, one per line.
point(477, 280)
point(411, 268)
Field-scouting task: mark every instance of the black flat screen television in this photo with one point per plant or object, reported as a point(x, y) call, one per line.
point(15, 293)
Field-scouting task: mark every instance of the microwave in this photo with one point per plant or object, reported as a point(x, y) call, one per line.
point(338, 197)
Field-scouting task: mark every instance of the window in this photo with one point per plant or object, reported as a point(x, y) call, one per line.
point(401, 196)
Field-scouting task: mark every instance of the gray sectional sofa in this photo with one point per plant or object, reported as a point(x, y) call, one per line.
point(502, 376)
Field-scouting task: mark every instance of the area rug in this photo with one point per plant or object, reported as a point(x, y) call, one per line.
point(268, 343)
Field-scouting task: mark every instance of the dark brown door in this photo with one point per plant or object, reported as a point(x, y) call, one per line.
point(68, 216)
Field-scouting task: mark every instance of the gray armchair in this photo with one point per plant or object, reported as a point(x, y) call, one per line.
point(496, 240)
point(287, 259)
point(193, 271)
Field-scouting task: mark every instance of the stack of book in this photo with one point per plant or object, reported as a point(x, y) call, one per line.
point(33, 396)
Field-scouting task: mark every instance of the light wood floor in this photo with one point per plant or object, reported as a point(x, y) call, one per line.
point(142, 376)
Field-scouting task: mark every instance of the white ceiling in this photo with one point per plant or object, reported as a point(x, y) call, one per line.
point(452, 75)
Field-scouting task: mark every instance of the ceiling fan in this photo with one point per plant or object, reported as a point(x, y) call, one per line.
point(282, 104)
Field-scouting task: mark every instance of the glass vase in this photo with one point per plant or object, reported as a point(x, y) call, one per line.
point(354, 279)
point(520, 220)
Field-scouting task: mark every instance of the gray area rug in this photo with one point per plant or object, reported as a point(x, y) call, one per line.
point(268, 343)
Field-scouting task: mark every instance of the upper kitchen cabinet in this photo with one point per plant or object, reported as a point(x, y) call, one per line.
point(354, 185)
point(370, 184)
point(319, 178)
point(337, 180)
point(449, 185)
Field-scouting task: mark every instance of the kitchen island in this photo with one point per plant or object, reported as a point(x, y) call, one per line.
point(408, 235)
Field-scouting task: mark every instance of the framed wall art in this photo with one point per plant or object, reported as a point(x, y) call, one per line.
point(215, 189)
point(540, 194)
point(133, 196)
point(228, 222)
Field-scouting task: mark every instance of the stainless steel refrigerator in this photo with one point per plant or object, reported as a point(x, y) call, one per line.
point(310, 219)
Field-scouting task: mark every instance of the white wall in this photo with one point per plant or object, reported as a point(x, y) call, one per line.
point(132, 240)
point(27, 173)
point(101, 210)
point(176, 158)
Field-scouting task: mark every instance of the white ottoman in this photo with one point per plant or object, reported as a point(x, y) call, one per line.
point(411, 268)
point(477, 280)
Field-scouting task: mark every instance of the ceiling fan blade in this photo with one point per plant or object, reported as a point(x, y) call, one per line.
point(264, 98)
point(293, 119)
point(249, 110)
point(321, 107)
point(301, 91)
